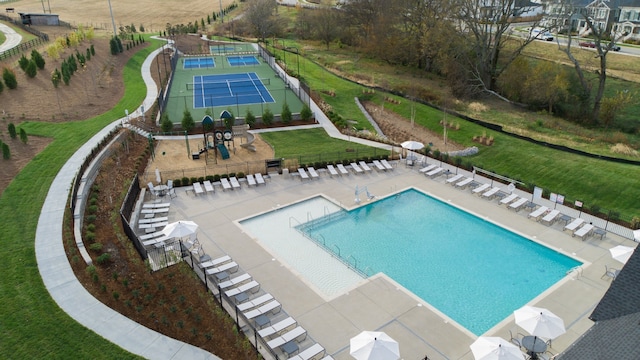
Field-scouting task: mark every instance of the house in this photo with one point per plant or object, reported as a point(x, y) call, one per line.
point(39, 19)
point(628, 24)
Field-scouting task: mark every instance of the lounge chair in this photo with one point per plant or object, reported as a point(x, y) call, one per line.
point(464, 182)
point(266, 308)
point(153, 220)
point(226, 185)
point(332, 170)
point(518, 204)
point(155, 241)
point(208, 186)
point(364, 166)
point(276, 328)
point(155, 205)
point(435, 172)
point(197, 188)
point(584, 231)
point(356, 168)
point(252, 286)
point(480, 188)
point(428, 168)
point(151, 235)
point(215, 262)
point(508, 199)
point(153, 225)
point(235, 184)
point(386, 164)
point(537, 213)
point(550, 217)
point(230, 267)
point(489, 194)
point(454, 179)
point(171, 190)
point(251, 180)
point(572, 226)
point(314, 351)
point(238, 280)
point(312, 172)
point(252, 304)
point(303, 174)
point(342, 169)
point(379, 165)
point(297, 333)
point(610, 273)
point(259, 179)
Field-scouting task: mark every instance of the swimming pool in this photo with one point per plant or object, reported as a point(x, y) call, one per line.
point(473, 271)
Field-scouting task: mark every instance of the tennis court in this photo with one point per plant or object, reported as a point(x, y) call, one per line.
point(226, 49)
point(249, 60)
point(229, 89)
point(199, 63)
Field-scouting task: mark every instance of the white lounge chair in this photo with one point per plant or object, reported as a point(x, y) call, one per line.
point(480, 188)
point(550, 217)
point(251, 180)
point(155, 241)
point(252, 286)
point(537, 213)
point(259, 179)
point(342, 169)
point(464, 182)
point(435, 172)
point(364, 166)
point(312, 172)
point(268, 307)
point(153, 220)
point(251, 304)
point(153, 225)
point(489, 194)
point(518, 204)
point(197, 188)
point(226, 185)
point(155, 205)
point(215, 262)
point(230, 266)
point(572, 226)
point(297, 333)
point(508, 199)
point(356, 168)
point(238, 280)
point(151, 235)
point(303, 174)
point(386, 164)
point(312, 352)
point(278, 327)
point(379, 165)
point(208, 187)
point(428, 168)
point(235, 184)
point(584, 231)
point(332, 170)
point(454, 178)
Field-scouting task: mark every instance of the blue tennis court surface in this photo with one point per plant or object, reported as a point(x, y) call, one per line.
point(199, 63)
point(242, 60)
point(229, 89)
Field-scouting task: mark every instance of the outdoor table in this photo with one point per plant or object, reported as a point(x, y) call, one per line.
point(261, 321)
point(600, 232)
point(290, 347)
point(221, 276)
point(534, 345)
point(162, 189)
point(530, 205)
point(242, 297)
point(565, 218)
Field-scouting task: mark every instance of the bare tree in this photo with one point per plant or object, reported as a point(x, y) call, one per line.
point(260, 17)
point(326, 24)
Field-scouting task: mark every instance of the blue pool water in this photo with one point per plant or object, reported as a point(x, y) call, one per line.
point(475, 272)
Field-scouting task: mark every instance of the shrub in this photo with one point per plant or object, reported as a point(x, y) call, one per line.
point(209, 177)
point(6, 152)
point(187, 121)
point(306, 113)
point(165, 123)
point(32, 69)
point(193, 180)
point(249, 118)
point(23, 62)
point(12, 130)
point(216, 177)
point(9, 78)
point(90, 236)
point(103, 258)
point(201, 179)
point(635, 222)
point(56, 76)
point(96, 246)
point(240, 175)
point(177, 182)
point(93, 209)
point(185, 181)
point(38, 59)
point(90, 218)
point(267, 117)
point(91, 227)
point(286, 113)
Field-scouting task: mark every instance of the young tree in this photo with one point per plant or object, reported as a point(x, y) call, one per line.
point(12, 130)
point(286, 114)
point(23, 62)
point(306, 113)
point(267, 116)
point(187, 121)
point(9, 78)
point(165, 123)
point(6, 152)
point(249, 118)
point(56, 76)
point(23, 136)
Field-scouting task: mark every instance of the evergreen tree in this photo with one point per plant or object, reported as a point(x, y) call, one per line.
point(6, 152)
point(23, 62)
point(12, 130)
point(1, 87)
point(187, 121)
point(165, 123)
point(113, 45)
point(88, 54)
point(23, 136)
point(37, 57)
point(93, 50)
point(286, 114)
point(9, 78)
point(249, 118)
point(32, 69)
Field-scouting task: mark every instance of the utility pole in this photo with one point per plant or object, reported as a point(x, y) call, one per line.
point(221, 13)
point(113, 22)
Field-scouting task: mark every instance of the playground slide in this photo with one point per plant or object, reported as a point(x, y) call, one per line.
point(223, 151)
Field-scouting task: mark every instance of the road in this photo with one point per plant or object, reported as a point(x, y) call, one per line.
point(13, 38)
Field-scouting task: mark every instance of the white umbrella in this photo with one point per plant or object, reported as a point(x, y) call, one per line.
point(374, 345)
point(412, 145)
point(621, 253)
point(495, 348)
point(158, 177)
point(180, 229)
point(539, 322)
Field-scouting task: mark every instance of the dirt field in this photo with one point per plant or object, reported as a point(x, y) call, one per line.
point(152, 14)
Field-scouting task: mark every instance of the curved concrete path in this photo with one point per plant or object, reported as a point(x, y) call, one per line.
point(13, 38)
point(61, 282)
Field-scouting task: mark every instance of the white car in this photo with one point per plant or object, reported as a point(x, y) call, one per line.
point(542, 35)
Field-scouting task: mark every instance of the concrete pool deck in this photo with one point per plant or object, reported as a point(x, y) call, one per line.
point(378, 303)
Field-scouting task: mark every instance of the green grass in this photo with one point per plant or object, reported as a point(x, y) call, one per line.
point(32, 324)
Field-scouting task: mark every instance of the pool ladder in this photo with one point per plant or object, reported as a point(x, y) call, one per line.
point(577, 270)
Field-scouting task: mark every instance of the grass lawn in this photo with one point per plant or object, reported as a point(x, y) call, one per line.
point(32, 324)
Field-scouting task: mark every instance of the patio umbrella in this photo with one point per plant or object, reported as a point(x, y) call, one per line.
point(412, 145)
point(539, 322)
point(180, 229)
point(621, 253)
point(158, 177)
point(373, 345)
point(495, 348)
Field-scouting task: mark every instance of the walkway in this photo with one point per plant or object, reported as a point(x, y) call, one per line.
point(13, 38)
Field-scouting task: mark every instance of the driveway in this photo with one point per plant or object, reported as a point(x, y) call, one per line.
point(13, 38)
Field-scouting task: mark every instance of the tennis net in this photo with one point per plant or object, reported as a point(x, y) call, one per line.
point(228, 84)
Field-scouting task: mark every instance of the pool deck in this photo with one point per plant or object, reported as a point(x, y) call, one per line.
point(378, 303)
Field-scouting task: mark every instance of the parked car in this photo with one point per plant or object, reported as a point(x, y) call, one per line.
point(542, 35)
point(591, 44)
